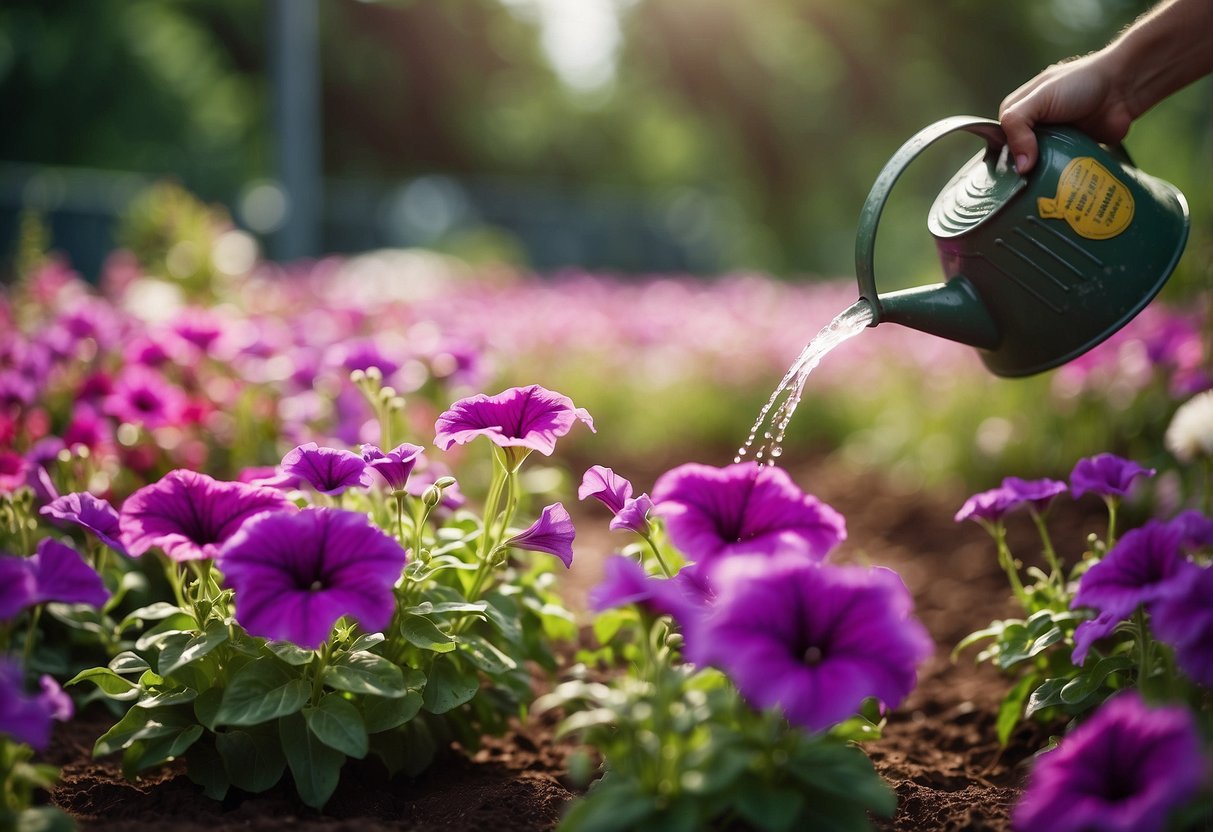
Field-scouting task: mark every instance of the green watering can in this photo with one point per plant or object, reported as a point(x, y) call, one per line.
point(1040, 268)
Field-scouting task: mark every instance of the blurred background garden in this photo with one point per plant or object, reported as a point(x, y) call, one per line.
point(648, 205)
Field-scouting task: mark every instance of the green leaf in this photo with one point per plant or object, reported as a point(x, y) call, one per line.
point(482, 653)
point(1090, 681)
point(448, 687)
point(176, 653)
point(769, 807)
point(1012, 707)
point(78, 617)
point(382, 714)
point(364, 672)
point(152, 612)
point(1046, 695)
point(110, 683)
point(292, 654)
point(613, 805)
point(43, 819)
point(154, 751)
point(993, 631)
point(252, 757)
point(262, 690)
point(424, 633)
point(142, 724)
point(338, 724)
point(206, 706)
point(128, 662)
point(165, 698)
point(446, 607)
point(205, 769)
point(315, 766)
point(178, 622)
point(502, 612)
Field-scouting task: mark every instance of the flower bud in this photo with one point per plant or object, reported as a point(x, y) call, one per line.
point(444, 482)
point(432, 496)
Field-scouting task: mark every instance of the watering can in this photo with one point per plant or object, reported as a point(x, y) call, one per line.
point(1039, 268)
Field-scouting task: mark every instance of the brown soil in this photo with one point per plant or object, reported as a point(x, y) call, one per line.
point(938, 752)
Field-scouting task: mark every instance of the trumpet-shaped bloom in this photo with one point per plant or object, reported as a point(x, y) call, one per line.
point(90, 512)
point(296, 572)
point(55, 572)
point(1038, 493)
point(25, 717)
point(988, 505)
point(142, 396)
point(1123, 770)
point(1146, 564)
point(553, 533)
point(328, 470)
point(625, 582)
point(395, 465)
point(17, 586)
point(743, 508)
point(1185, 621)
point(1105, 474)
point(190, 515)
point(606, 486)
point(634, 515)
point(816, 640)
point(520, 417)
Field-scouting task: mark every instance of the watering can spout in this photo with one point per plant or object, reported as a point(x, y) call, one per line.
point(950, 310)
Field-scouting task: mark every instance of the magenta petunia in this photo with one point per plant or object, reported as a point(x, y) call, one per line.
point(14, 471)
point(553, 533)
point(1185, 621)
point(27, 717)
point(814, 639)
point(189, 515)
point(1038, 493)
point(606, 486)
point(269, 476)
point(395, 465)
point(1124, 770)
point(1105, 474)
point(90, 512)
point(328, 470)
point(633, 515)
point(743, 508)
point(142, 396)
point(1146, 564)
point(522, 417)
point(296, 572)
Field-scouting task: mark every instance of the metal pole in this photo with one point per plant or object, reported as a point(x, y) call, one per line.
point(295, 94)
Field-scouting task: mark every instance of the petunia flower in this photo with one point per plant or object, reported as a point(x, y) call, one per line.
point(987, 506)
point(142, 396)
point(17, 587)
point(190, 515)
point(1105, 474)
point(553, 533)
point(743, 508)
point(1185, 621)
point(269, 476)
point(395, 465)
point(90, 512)
point(1196, 530)
point(61, 574)
point(14, 471)
point(328, 470)
point(1037, 493)
point(27, 718)
point(1146, 564)
point(296, 573)
point(606, 486)
point(634, 515)
point(1091, 631)
point(814, 639)
point(1123, 770)
point(520, 417)
point(624, 582)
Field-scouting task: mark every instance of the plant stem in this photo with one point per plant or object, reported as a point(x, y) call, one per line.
point(31, 634)
point(1055, 573)
point(1007, 562)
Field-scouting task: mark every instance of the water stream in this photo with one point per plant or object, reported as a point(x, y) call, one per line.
point(776, 414)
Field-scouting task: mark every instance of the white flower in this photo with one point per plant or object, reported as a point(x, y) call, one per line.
point(1190, 433)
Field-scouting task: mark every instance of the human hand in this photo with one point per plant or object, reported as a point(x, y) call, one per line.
point(1081, 92)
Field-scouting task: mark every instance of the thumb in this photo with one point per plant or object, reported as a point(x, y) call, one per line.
point(1020, 139)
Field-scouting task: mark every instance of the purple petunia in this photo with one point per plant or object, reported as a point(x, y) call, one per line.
point(816, 640)
point(520, 417)
point(328, 470)
point(142, 396)
point(743, 508)
point(606, 486)
point(1037, 493)
point(1123, 770)
point(55, 572)
point(1105, 474)
point(1146, 564)
point(189, 515)
point(395, 465)
point(90, 512)
point(987, 506)
point(1089, 632)
point(553, 533)
point(1185, 621)
point(14, 471)
point(634, 515)
point(27, 718)
point(625, 582)
point(296, 572)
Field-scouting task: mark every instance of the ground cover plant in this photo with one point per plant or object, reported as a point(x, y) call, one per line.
point(168, 437)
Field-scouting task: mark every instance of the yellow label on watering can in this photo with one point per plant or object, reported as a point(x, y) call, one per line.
point(1095, 203)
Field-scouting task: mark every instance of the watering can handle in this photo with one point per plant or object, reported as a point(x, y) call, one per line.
point(865, 238)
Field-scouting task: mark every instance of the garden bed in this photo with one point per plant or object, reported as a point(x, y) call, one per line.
point(938, 752)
